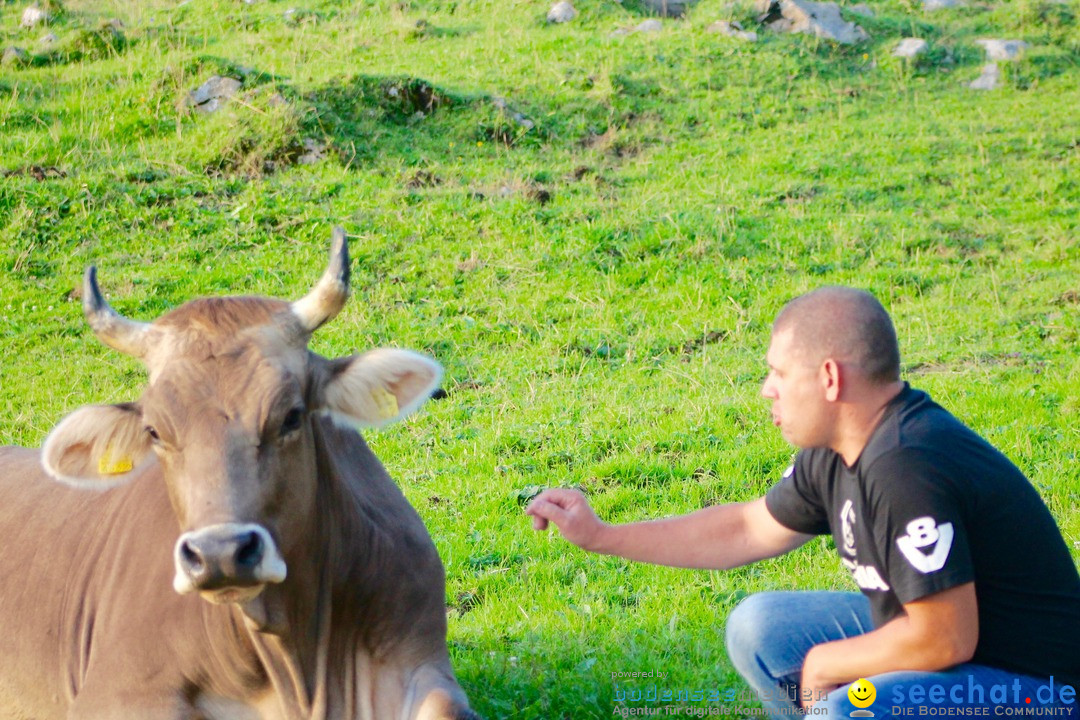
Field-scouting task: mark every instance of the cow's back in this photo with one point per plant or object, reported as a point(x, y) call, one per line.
point(41, 542)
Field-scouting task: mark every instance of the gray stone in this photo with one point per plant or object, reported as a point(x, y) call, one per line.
point(860, 9)
point(931, 5)
point(732, 29)
point(561, 12)
point(669, 8)
point(650, 26)
point(991, 76)
point(14, 56)
point(909, 48)
point(33, 15)
point(520, 118)
point(48, 39)
point(213, 93)
point(314, 151)
point(1002, 49)
point(820, 19)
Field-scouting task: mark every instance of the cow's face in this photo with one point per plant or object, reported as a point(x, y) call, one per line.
point(230, 427)
point(227, 414)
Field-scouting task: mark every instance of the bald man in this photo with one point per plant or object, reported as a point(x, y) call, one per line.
point(969, 596)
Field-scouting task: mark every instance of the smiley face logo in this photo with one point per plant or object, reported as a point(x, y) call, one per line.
point(862, 693)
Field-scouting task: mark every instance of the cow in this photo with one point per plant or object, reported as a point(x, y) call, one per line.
point(226, 547)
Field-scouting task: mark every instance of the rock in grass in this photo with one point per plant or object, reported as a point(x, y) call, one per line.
point(314, 151)
point(33, 15)
point(48, 39)
point(561, 12)
point(1002, 49)
point(991, 76)
point(650, 26)
point(910, 48)
point(669, 8)
point(931, 5)
point(820, 19)
point(14, 56)
point(861, 9)
point(213, 93)
point(520, 118)
point(732, 29)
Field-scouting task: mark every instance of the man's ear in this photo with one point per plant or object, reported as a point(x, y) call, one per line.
point(379, 387)
point(97, 446)
point(830, 379)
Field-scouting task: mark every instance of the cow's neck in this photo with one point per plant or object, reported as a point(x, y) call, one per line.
point(290, 632)
point(298, 628)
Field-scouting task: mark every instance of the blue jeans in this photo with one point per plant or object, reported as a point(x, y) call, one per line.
point(769, 635)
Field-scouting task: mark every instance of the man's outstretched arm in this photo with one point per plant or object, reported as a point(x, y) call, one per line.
point(718, 537)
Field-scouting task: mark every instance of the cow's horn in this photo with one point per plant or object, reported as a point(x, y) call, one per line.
point(328, 297)
point(109, 326)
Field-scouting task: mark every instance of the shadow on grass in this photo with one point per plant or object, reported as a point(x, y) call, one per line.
point(553, 674)
point(423, 30)
point(368, 118)
point(104, 41)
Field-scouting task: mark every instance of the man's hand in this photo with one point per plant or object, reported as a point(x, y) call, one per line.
point(812, 687)
point(570, 512)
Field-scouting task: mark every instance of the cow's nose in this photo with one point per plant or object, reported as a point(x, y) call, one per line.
point(226, 556)
point(201, 556)
point(250, 552)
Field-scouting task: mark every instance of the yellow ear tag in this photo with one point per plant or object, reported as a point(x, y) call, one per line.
point(108, 465)
point(386, 403)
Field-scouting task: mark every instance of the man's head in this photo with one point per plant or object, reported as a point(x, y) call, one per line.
point(847, 325)
point(831, 344)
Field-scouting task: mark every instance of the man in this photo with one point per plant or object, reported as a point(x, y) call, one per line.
point(966, 580)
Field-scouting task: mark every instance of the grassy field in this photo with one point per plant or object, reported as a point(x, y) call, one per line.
point(598, 282)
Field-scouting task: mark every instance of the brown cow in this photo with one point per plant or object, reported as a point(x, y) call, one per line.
point(253, 560)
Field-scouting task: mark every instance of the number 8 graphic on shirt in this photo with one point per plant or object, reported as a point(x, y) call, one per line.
point(924, 532)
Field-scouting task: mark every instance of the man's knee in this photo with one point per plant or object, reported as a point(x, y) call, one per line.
point(749, 626)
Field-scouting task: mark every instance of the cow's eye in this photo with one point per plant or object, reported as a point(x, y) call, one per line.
point(292, 421)
point(153, 433)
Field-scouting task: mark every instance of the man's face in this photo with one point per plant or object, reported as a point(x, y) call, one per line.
point(797, 387)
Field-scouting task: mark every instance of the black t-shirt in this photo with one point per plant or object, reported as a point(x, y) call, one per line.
point(930, 505)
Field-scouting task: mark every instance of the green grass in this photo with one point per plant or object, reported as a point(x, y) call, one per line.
point(599, 286)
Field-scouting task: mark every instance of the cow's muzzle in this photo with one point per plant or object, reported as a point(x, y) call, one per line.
point(231, 562)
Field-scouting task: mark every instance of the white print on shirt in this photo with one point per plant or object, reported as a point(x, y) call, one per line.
point(866, 576)
point(922, 533)
point(847, 532)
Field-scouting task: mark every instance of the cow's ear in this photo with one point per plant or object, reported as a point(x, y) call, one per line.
point(97, 446)
point(380, 386)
